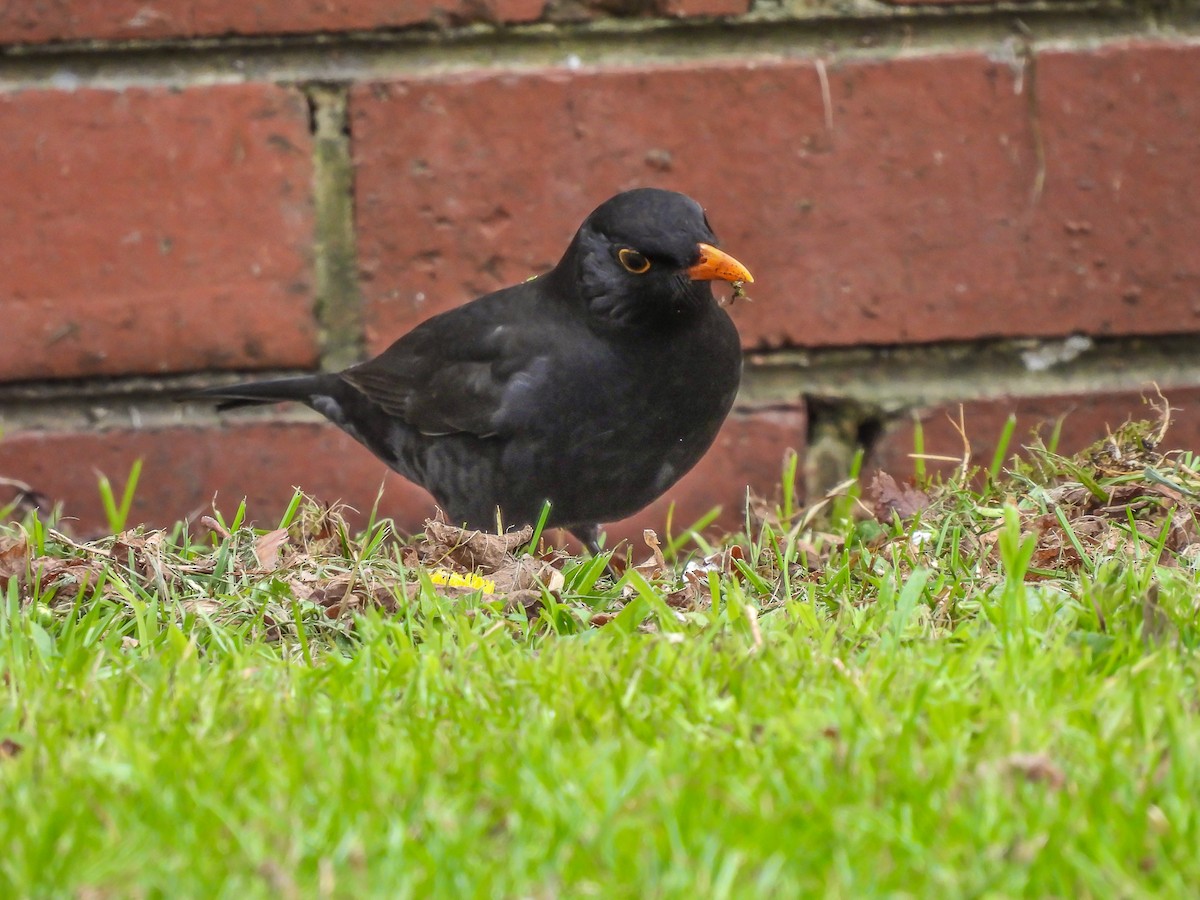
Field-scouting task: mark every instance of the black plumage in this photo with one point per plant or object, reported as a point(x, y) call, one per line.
point(595, 386)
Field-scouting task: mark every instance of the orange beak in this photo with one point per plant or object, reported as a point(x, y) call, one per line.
point(717, 265)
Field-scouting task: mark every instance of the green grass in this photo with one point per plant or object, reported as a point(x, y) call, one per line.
point(993, 697)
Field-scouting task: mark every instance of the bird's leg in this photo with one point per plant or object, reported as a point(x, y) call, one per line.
point(590, 535)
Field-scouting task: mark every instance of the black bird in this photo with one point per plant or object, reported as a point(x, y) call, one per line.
point(595, 386)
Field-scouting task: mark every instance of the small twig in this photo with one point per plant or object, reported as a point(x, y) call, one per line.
point(961, 427)
point(826, 95)
point(74, 545)
point(810, 512)
point(755, 632)
point(1028, 83)
point(1164, 414)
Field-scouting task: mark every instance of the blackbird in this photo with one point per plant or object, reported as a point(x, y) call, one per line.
point(595, 386)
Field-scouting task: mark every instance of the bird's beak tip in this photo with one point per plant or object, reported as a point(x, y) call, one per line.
point(717, 265)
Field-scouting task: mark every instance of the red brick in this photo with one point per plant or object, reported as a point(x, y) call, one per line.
point(1121, 203)
point(183, 468)
point(705, 7)
point(1088, 418)
point(30, 21)
point(912, 220)
point(148, 231)
point(40, 21)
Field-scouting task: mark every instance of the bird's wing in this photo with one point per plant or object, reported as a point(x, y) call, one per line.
point(465, 371)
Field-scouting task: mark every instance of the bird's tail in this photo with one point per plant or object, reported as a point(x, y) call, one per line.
point(230, 396)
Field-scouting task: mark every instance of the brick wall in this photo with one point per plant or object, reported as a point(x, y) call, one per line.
point(942, 202)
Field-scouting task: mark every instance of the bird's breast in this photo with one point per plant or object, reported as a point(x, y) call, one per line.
point(628, 421)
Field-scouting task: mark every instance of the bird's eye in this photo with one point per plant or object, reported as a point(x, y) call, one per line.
point(633, 261)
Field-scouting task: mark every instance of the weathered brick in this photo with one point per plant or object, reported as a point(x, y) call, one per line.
point(185, 467)
point(38, 21)
point(29, 21)
point(147, 231)
point(1121, 206)
point(704, 7)
point(913, 218)
point(1086, 419)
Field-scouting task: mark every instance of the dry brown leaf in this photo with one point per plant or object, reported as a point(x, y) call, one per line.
point(14, 559)
point(49, 569)
point(1071, 495)
point(347, 593)
point(470, 550)
point(694, 593)
point(152, 558)
point(127, 551)
point(1184, 530)
point(530, 602)
point(266, 548)
point(142, 554)
point(213, 525)
point(656, 565)
point(526, 574)
point(273, 632)
point(201, 606)
point(888, 497)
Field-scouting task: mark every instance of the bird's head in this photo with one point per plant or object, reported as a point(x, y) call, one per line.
point(645, 257)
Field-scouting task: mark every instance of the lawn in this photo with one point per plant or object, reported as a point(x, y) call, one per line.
point(986, 684)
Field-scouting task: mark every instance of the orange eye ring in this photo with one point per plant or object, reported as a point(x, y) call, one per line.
point(633, 261)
